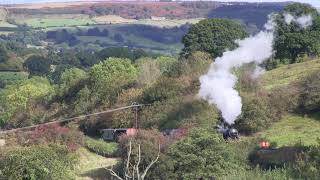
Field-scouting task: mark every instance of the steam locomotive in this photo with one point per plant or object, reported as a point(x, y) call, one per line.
point(228, 132)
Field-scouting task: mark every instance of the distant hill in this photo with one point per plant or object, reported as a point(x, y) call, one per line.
point(248, 13)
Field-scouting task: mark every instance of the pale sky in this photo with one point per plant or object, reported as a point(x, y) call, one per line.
point(315, 3)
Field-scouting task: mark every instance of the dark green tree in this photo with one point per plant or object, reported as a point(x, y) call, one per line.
point(293, 41)
point(213, 36)
point(37, 65)
point(3, 54)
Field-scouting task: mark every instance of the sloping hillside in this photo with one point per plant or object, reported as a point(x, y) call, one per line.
point(292, 129)
point(289, 73)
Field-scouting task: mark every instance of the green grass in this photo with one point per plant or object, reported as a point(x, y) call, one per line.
point(101, 147)
point(289, 73)
point(12, 77)
point(294, 129)
point(55, 22)
point(91, 165)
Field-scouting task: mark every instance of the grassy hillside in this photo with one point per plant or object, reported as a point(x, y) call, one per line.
point(92, 166)
point(289, 73)
point(292, 129)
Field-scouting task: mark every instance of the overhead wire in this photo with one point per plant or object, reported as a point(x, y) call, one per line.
point(73, 118)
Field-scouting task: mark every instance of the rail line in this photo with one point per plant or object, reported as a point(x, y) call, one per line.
point(74, 118)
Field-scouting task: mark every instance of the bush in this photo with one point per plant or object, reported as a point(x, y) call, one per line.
point(310, 93)
point(164, 88)
point(257, 173)
point(308, 164)
point(38, 162)
point(204, 154)
point(71, 137)
point(149, 141)
point(101, 147)
point(177, 112)
point(257, 114)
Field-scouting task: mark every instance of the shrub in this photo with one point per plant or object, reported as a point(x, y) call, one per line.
point(149, 141)
point(257, 114)
point(54, 133)
point(38, 162)
point(101, 147)
point(308, 164)
point(163, 89)
point(176, 112)
point(257, 173)
point(204, 154)
point(310, 92)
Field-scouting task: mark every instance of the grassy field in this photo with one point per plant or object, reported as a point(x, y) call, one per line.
point(294, 129)
point(63, 20)
point(92, 166)
point(289, 73)
point(168, 22)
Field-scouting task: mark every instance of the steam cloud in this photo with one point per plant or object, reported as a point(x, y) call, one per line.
point(303, 21)
point(217, 86)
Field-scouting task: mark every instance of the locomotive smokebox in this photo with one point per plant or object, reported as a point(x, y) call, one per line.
point(228, 132)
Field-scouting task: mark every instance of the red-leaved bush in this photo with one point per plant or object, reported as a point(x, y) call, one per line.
point(54, 133)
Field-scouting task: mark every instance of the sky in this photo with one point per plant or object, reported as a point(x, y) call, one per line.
point(315, 3)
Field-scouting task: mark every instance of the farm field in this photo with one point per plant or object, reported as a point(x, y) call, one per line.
point(56, 21)
point(168, 22)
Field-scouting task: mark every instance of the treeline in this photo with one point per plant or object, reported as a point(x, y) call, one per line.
point(157, 34)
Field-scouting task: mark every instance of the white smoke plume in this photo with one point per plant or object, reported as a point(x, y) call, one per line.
point(303, 21)
point(258, 71)
point(217, 86)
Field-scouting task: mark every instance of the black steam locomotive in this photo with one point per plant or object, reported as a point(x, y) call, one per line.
point(228, 132)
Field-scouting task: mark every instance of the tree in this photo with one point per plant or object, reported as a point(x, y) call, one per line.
point(146, 153)
point(202, 155)
point(38, 162)
point(87, 58)
point(293, 41)
point(69, 80)
point(132, 171)
point(213, 36)
point(108, 77)
point(94, 32)
point(115, 52)
point(17, 96)
point(37, 65)
point(3, 54)
point(118, 37)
